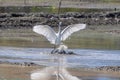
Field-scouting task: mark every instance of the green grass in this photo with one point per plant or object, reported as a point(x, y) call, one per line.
point(48, 9)
point(51, 6)
point(110, 1)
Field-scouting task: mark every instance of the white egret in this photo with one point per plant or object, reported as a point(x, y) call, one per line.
point(57, 38)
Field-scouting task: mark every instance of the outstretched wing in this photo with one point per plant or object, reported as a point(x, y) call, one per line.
point(46, 31)
point(71, 29)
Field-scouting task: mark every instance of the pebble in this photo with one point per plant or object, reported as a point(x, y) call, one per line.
point(109, 68)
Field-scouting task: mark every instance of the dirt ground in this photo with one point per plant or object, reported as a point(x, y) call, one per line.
point(8, 71)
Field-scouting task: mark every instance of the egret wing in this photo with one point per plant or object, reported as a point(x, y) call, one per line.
point(71, 29)
point(46, 31)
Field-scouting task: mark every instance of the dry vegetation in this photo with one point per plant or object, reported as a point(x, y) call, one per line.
point(65, 3)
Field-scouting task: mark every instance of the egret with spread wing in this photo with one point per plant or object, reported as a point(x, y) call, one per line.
point(62, 35)
point(56, 39)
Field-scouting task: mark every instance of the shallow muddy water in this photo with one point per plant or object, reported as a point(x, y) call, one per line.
point(83, 58)
point(92, 49)
point(42, 56)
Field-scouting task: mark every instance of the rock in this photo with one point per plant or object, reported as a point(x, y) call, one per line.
point(4, 15)
point(109, 68)
point(28, 20)
point(56, 51)
point(28, 64)
point(17, 14)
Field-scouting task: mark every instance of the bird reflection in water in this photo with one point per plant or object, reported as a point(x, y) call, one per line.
point(58, 72)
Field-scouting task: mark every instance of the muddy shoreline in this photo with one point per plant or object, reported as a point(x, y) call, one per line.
point(28, 20)
point(9, 72)
point(31, 64)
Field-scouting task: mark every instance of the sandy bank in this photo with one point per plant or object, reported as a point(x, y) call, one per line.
point(8, 71)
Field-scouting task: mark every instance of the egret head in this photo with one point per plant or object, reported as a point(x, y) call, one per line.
point(59, 30)
point(60, 23)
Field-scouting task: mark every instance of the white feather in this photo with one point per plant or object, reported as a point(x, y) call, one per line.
point(46, 31)
point(71, 29)
point(52, 36)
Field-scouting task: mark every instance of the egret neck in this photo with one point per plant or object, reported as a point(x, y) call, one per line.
point(58, 39)
point(59, 30)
